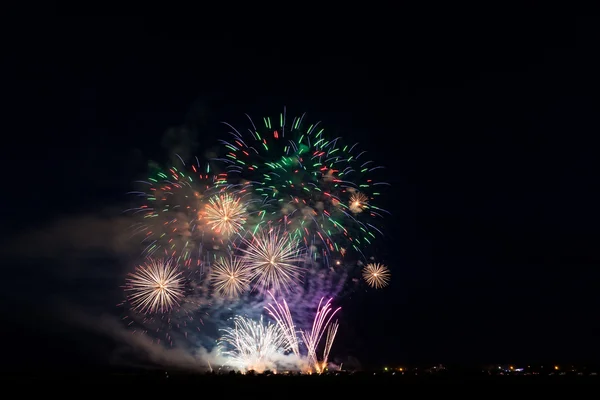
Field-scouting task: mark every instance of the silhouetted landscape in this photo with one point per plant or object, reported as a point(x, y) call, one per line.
point(488, 374)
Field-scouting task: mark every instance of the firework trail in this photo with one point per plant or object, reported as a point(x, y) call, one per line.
point(281, 313)
point(156, 286)
point(331, 332)
point(313, 337)
point(273, 257)
point(376, 275)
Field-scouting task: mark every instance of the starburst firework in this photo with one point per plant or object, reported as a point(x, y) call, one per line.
point(156, 286)
point(273, 257)
point(230, 276)
point(225, 214)
point(358, 202)
point(376, 275)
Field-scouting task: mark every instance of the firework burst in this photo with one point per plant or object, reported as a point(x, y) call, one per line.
point(358, 202)
point(156, 286)
point(225, 214)
point(273, 257)
point(307, 181)
point(230, 276)
point(376, 275)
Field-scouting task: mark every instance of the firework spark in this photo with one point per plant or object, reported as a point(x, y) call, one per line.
point(252, 345)
point(225, 214)
point(281, 313)
point(312, 338)
point(273, 257)
point(157, 286)
point(376, 275)
point(358, 202)
point(230, 276)
point(331, 332)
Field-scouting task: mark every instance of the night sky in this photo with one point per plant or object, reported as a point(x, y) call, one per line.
point(488, 130)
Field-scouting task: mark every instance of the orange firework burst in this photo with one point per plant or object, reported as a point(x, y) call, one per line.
point(358, 202)
point(225, 214)
point(376, 275)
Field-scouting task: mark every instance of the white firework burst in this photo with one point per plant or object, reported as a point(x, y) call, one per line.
point(274, 258)
point(230, 276)
point(376, 275)
point(156, 286)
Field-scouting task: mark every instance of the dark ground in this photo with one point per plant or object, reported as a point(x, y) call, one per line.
point(162, 378)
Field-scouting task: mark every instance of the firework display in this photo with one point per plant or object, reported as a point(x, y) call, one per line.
point(284, 210)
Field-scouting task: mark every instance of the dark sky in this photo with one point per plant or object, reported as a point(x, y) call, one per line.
point(488, 128)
